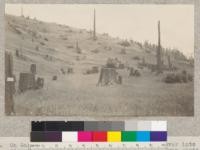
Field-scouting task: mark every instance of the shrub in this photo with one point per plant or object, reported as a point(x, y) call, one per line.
point(34, 33)
point(148, 51)
point(95, 51)
point(135, 73)
point(178, 77)
point(121, 66)
point(170, 78)
point(110, 63)
point(190, 77)
point(105, 34)
point(17, 30)
point(54, 78)
point(136, 58)
point(17, 53)
point(65, 38)
point(70, 46)
point(124, 43)
point(123, 51)
point(93, 70)
point(44, 30)
point(42, 43)
point(37, 48)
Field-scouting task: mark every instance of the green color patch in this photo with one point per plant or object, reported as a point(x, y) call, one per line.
point(128, 136)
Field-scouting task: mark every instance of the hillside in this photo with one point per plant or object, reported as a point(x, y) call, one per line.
point(53, 47)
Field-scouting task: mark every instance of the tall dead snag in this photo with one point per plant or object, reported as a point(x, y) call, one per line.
point(159, 61)
point(9, 84)
point(94, 26)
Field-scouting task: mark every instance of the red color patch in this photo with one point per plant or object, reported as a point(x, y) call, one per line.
point(99, 136)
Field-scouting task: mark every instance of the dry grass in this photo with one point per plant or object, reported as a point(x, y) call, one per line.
point(79, 95)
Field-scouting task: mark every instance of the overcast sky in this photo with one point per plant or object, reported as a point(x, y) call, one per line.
point(137, 22)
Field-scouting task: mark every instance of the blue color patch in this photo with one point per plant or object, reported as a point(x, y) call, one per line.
point(143, 136)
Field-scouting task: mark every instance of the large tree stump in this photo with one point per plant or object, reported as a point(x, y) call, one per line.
point(9, 84)
point(26, 81)
point(108, 76)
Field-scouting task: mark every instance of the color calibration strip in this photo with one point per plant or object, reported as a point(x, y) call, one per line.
point(99, 131)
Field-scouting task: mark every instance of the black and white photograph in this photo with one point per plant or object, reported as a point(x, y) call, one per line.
point(99, 60)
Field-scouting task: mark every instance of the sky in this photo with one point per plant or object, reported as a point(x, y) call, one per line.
point(130, 21)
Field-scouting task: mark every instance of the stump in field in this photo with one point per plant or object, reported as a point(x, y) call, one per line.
point(108, 76)
point(9, 84)
point(39, 83)
point(70, 70)
point(33, 68)
point(63, 71)
point(54, 78)
point(121, 66)
point(17, 53)
point(93, 70)
point(169, 62)
point(26, 81)
point(119, 80)
point(131, 73)
point(134, 73)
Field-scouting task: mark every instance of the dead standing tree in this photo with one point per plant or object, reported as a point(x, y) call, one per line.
point(94, 26)
point(9, 84)
point(159, 61)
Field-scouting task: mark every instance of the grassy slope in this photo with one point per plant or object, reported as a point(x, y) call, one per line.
point(77, 94)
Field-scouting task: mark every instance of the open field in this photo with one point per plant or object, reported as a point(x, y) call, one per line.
point(77, 94)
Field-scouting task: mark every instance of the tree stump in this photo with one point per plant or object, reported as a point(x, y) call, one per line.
point(26, 81)
point(54, 78)
point(33, 69)
point(39, 83)
point(108, 76)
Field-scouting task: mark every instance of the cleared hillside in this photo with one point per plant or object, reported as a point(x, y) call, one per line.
point(53, 47)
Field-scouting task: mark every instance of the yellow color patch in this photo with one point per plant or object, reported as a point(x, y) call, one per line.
point(114, 136)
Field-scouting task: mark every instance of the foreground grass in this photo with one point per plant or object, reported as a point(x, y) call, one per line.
point(78, 95)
